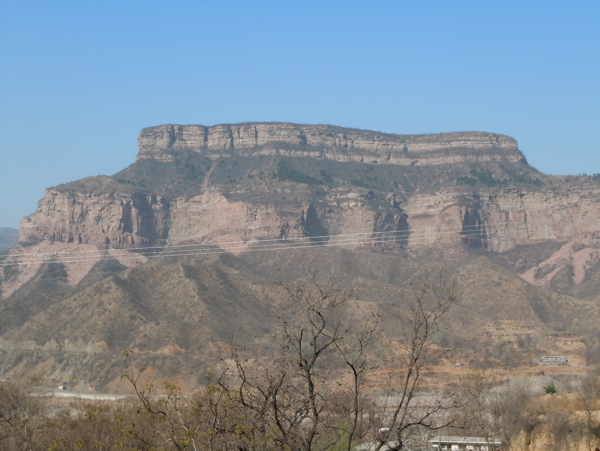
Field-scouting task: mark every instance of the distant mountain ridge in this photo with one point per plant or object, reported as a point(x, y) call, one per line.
point(8, 238)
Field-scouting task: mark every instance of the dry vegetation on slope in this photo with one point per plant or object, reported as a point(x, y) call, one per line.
point(524, 248)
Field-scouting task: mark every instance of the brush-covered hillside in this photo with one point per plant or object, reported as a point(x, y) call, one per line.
point(181, 255)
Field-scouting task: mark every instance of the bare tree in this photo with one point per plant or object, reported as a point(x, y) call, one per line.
point(403, 412)
point(589, 395)
point(474, 392)
point(207, 420)
point(353, 350)
point(22, 414)
point(311, 393)
point(295, 400)
point(513, 412)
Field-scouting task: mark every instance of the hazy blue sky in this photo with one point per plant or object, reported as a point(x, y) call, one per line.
point(79, 80)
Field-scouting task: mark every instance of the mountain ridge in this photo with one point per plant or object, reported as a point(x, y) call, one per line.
point(319, 141)
point(231, 200)
point(197, 231)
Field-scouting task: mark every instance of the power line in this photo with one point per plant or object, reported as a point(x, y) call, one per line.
point(476, 230)
point(399, 233)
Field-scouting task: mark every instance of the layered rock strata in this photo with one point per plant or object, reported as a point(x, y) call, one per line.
point(502, 220)
point(324, 141)
point(497, 219)
point(103, 219)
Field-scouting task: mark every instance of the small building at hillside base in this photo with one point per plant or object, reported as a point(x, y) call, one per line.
point(450, 442)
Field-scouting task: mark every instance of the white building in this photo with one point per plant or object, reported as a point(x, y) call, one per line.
point(464, 443)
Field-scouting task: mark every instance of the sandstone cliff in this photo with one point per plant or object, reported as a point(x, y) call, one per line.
point(248, 182)
point(397, 205)
point(325, 141)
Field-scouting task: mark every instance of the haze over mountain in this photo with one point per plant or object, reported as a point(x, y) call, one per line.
point(8, 237)
point(178, 255)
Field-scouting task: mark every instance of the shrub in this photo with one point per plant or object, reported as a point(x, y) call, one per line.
point(550, 389)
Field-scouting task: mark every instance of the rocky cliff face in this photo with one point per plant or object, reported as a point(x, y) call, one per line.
point(405, 205)
point(102, 219)
point(325, 141)
point(234, 216)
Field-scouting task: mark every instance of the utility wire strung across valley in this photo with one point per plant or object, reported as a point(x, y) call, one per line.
point(413, 235)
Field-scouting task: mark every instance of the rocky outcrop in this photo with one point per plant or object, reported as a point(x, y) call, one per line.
point(499, 220)
point(102, 219)
point(126, 220)
point(514, 217)
point(496, 219)
point(324, 141)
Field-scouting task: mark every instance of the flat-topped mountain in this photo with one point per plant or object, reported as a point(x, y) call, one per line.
point(238, 183)
point(326, 141)
point(374, 208)
point(180, 168)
